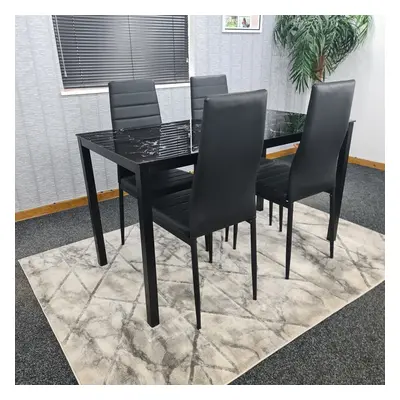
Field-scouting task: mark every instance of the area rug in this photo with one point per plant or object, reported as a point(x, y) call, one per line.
point(98, 313)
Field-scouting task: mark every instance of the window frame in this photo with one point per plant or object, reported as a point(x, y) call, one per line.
point(103, 89)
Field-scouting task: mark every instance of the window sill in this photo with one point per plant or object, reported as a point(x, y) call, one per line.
point(82, 91)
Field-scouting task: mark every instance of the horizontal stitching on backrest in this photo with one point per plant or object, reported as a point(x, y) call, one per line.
point(210, 94)
point(133, 92)
point(141, 116)
point(209, 85)
point(204, 86)
point(136, 105)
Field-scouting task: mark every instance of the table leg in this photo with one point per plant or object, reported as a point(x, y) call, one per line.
point(340, 180)
point(147, 241)
point(93, 203)
point(260, 200)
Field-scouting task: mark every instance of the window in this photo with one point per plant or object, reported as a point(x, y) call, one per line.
point(96, 49)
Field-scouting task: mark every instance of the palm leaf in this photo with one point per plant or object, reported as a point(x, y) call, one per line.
point(317, 44)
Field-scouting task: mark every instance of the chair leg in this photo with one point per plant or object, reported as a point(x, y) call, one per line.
point(280, 218)
point(121, 215)
point(210, 247)
point(206, 240)
point(253, 240)
point(226, 233)
point(260, 203)
point(271, 207)
point(196, 282)
point(331, 225)
point(235, 233)
point(289, 239)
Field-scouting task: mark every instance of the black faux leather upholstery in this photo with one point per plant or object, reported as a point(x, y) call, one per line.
point(273, 178)
point(172, 212)
point(314, 164)
point(223, 191)
point(134, 104)
point(313, 169)
point(162, 182)
point(202, 87)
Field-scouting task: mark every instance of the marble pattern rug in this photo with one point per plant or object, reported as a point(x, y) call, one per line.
point(98, 313)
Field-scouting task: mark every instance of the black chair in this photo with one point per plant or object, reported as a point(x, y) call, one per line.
point(134, 104)
point(202, 87)
point(223, 191)
point(313, 169)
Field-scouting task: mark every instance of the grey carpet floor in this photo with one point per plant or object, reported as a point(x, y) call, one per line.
point(346, 348)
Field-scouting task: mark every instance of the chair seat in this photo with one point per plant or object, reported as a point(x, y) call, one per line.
point(163, 182)
point(273, 180)
point(172, 212)
point(266, 162)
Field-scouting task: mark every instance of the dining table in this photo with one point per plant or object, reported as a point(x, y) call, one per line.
point(145, 151)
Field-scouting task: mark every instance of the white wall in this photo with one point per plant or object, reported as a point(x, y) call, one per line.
point(367, 67)
point(250, 61)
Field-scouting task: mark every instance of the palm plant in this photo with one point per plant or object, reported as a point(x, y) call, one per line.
point(317, 44)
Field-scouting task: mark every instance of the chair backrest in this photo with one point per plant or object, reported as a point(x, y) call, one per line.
point(202, 87)
point(133, 104)
point(230, 145)
point(314, 165)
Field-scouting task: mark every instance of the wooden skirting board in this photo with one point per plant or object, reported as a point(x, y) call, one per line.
point(352, 160)
point(63, 205)
point(282, 153)
point(367, 163)
point(112, 194)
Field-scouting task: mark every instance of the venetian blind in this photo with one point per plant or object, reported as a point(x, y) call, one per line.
point(96, 49)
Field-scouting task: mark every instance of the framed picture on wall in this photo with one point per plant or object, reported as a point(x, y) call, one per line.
point(242, 23)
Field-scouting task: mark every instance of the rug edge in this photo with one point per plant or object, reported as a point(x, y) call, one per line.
point(311, 327)
point(48, 321)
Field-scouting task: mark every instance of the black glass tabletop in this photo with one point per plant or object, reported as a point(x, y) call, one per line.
point(176, 139)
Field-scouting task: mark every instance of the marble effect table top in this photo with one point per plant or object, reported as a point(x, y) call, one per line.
point(182, 138)
point(98, 313)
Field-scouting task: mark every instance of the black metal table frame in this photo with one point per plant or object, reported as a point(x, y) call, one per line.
point(142, 172)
